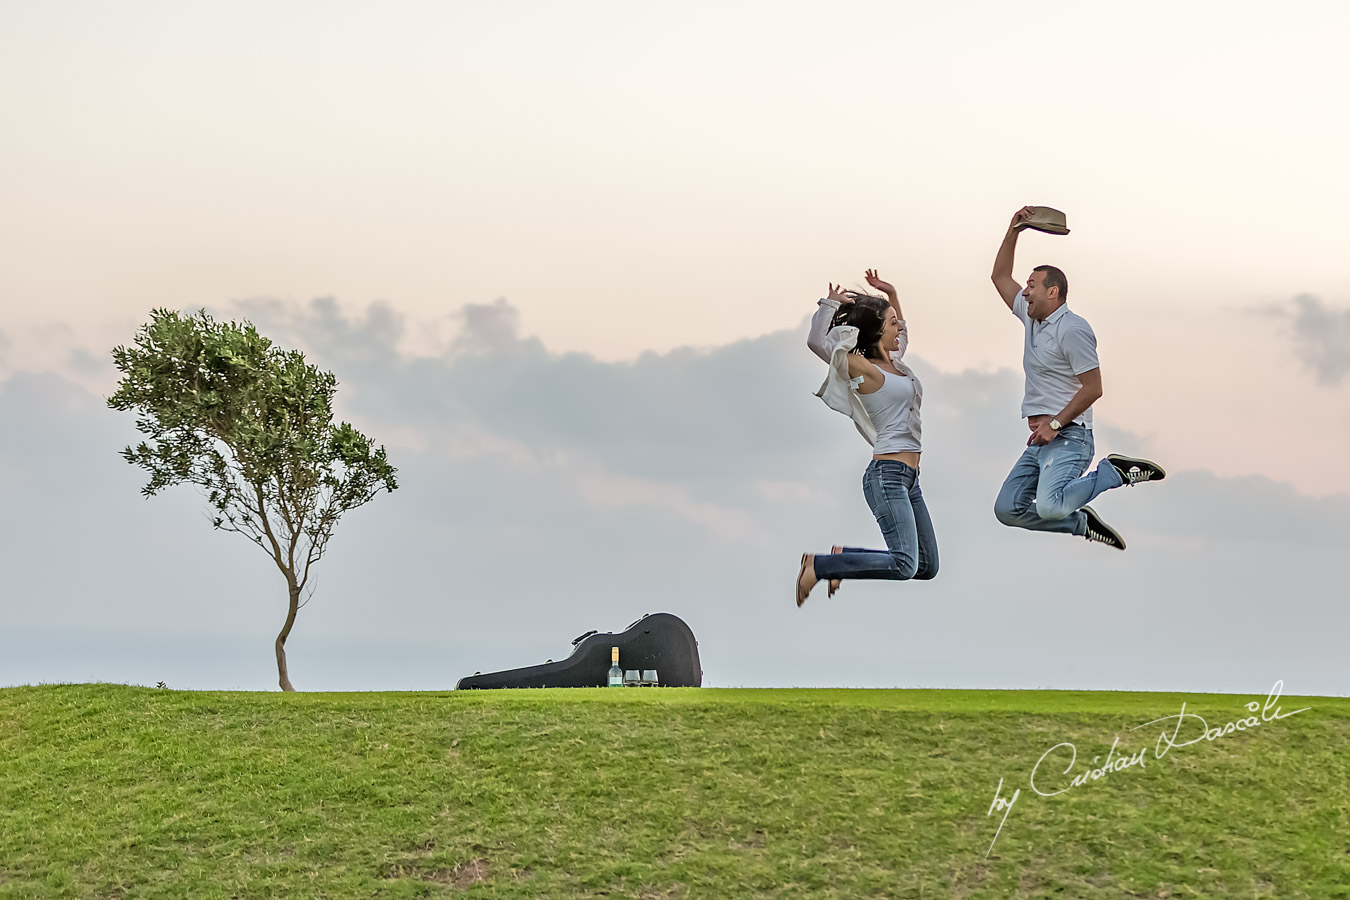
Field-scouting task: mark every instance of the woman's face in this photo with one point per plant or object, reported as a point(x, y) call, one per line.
point(890, 334)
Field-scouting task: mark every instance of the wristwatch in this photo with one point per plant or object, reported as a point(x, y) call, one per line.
point(1054, 425)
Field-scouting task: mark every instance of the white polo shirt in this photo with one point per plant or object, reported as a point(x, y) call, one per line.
point(1056, 350)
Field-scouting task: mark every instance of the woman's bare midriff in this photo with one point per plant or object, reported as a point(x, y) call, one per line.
point(909, 458)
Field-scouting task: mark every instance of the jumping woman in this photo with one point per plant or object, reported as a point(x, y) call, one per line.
point(862, 338)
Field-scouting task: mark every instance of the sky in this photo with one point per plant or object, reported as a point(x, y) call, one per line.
point(561, 257)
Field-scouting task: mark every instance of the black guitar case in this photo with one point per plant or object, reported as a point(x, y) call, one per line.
point(658, 641)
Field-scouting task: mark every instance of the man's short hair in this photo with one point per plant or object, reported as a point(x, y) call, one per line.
point(1055, 278)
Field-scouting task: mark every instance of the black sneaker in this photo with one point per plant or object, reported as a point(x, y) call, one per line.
point(1135, 470)
point(1099, 531)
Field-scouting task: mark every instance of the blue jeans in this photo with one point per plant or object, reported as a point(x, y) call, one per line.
point(1044, 492)
point(892, 490)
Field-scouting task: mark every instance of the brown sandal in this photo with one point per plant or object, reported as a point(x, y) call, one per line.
point(802, 595)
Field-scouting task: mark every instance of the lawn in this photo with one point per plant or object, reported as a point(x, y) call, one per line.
point(120, 792)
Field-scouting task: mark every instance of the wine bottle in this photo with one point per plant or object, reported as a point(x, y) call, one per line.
point(615, 673)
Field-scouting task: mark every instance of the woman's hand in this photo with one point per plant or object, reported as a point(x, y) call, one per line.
point(884, 286)
point(837, 294)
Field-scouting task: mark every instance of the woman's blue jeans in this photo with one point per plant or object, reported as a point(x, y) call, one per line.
point(892, 490)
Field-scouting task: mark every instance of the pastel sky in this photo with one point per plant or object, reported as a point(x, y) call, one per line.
point(640, 203)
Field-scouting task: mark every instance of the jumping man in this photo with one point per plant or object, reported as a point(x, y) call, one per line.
point(1047, 490)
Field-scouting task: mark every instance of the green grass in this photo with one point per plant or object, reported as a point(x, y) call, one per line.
point(110, 791)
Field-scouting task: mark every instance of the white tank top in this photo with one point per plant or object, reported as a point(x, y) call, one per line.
point(894, 410)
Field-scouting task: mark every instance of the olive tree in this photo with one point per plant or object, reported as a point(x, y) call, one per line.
point(251, 426)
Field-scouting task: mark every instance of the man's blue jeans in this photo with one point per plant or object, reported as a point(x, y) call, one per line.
point(1044, 492)
point(892, 491)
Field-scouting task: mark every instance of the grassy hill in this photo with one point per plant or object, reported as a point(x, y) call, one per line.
point(120, 792)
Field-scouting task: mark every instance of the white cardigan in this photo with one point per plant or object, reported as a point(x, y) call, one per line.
point(833, 345)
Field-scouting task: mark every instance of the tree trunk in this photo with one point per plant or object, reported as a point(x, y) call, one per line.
point(284, 679)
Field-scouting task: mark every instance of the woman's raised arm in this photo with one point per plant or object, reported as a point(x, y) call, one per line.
point(818, 337)
point(894, 299)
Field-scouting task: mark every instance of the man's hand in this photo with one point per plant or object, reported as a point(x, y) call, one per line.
point(1021, 215)
point(884, 286)
point(1041, 433)
point(837, 294)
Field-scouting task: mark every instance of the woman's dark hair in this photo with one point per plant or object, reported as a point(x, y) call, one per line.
point(867, 313)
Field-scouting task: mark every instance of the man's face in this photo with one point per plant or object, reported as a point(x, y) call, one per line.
point(1039, 303)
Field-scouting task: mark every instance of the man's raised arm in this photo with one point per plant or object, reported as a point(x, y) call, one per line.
point(1002, 276)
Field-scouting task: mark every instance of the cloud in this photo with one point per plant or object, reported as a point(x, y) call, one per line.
point(320, 326)
point(1321, 335)
point(546, 494)
point(42, 348)
point(488, 327)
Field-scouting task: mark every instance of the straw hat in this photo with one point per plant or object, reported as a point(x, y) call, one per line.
point(1044, 218)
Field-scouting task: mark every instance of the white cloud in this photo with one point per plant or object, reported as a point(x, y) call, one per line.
point(543, 495)
point(1322, 335)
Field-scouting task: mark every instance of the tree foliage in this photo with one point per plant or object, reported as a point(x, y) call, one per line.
point(251, 425)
